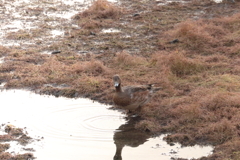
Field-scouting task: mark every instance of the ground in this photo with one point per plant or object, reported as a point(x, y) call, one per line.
point(190, 48)
point(11, 133)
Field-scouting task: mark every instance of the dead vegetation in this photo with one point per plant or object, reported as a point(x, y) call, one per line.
point(98, 15)
point(13, 134)
point(101, 9)
point(193, 55)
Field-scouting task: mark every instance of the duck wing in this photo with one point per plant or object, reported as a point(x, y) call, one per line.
point(136, 89)
point(138, 95)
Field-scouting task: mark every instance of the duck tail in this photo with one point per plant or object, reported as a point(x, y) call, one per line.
point(157, 89)
point(152, 88)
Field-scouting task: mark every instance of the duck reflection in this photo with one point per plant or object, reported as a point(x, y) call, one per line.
point(127, 135)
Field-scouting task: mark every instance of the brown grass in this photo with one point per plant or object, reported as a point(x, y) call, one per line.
point(126, 61)
point(204, 36)
point(93, 68)
point(221, 100)
point(181, 65)
point(98, 15)
point(178, 63)
point(199, 102)
point(230, 147)
point(19, 35)
point(91, 24)
point(7, 156)
point(196, 35)
point(4, 147)
point(3, 50)
point(147, 125)
point(231, 23)
point(13, 134)
point(219, 132)
point(102, 9)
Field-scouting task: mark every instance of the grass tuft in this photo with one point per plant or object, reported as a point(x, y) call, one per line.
point(102, 9)
point(219, 132)
point(178, 63)
point(3, 51)
point(126, 61)
point(192, 55)
point(147, 125)
point(100, 14)
point(221, 100)
point(193, 35)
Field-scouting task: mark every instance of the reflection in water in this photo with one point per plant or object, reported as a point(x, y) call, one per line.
point(78, 129)
point(127, 135)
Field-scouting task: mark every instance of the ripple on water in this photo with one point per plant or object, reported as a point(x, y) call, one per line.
point(76, 129)
point(84, 122)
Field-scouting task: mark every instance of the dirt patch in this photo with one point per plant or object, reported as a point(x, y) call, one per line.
point(11, 133)
point(190, 48)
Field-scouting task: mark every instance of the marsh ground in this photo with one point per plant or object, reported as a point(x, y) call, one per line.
point(190, 48)
point(11, 133)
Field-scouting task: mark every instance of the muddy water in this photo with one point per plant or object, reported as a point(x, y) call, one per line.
point(79, 129)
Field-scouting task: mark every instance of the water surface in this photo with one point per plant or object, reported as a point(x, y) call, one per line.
point(80, 129)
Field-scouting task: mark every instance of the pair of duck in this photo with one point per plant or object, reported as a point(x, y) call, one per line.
point(132, 97)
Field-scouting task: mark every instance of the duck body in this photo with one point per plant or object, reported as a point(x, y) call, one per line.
point(131, 97)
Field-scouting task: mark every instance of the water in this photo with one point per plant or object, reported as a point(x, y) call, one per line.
point(80, 129)
point(110, 30)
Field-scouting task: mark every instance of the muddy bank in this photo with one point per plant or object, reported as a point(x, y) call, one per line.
point(189, 48)
point(10, 133)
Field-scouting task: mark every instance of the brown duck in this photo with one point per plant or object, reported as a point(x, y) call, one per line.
point(132, 97)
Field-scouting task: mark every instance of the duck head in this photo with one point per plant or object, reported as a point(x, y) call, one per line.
point(116, 81)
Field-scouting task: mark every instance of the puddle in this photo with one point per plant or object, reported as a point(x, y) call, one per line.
point(165, 2)
point(57, 33)
point(26, 15)
point(177, 151)
point(2, 60)
point(218, 1)
point(2, 85)
point(76, 129)
point(110, 30)
point(46, 52)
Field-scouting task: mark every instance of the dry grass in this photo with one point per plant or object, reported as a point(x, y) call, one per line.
point(126, 61)
point(230, 147)
point(4, 147)
point(7, 156)
point(193, 34)
point(93, 68)
point(98, 15)
point(231, 23)
point(102, 9)
point(221, 100)
point(180, 65)
point(3, 51)
point(19, 35)
point(219, 132)
point(199, 74)
point(14, 134)
point(90, 24)
point(205, 36)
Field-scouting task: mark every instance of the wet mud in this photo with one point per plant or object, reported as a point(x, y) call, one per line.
point(10, 134)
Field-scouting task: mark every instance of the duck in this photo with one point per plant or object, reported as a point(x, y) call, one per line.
point(131, 98)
